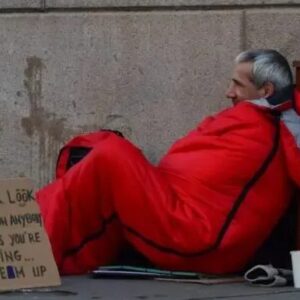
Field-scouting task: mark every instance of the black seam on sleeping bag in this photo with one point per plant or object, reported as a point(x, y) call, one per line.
point(251, 182)
point(232, 212)
point(94, 236)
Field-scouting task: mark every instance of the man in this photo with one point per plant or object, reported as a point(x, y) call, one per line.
point(260, 74)
point(211, 201)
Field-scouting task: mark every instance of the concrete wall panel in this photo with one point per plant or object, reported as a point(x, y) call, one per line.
point(151, 75)
point(279, 29)
point(12, 4)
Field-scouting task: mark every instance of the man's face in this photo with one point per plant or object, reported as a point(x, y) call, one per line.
point(241, 87)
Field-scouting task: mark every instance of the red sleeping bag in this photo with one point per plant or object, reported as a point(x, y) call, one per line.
point(207, 206)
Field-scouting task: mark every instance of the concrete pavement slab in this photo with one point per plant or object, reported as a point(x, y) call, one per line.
point(83, 287)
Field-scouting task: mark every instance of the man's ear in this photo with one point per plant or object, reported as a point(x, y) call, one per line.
point(268, 89)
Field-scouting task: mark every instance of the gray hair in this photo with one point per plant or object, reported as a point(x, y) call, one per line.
point(268, 66)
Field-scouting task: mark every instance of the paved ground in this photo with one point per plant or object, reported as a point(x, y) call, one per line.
point(106, 289)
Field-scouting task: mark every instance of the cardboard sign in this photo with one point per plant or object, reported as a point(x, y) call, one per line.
point(26, 259)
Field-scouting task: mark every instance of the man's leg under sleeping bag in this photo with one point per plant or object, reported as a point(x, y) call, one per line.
point(112, 194)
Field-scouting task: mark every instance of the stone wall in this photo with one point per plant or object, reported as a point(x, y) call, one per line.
point(150, 68)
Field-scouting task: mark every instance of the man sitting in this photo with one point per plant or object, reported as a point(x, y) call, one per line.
point(210, 202)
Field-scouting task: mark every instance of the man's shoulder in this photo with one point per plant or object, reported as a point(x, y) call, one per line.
point(244, 112)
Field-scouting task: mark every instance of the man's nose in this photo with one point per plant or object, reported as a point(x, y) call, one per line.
point(230, 93)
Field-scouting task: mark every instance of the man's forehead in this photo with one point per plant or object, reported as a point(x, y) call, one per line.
point(243, 68)
point(243, 71)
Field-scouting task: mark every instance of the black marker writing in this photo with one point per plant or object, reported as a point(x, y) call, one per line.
point(3, 221)
point(8, 256)
point(24, 237)
point(21, 197)
point(11, 272)
point(39, 271)
point(26, 219)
